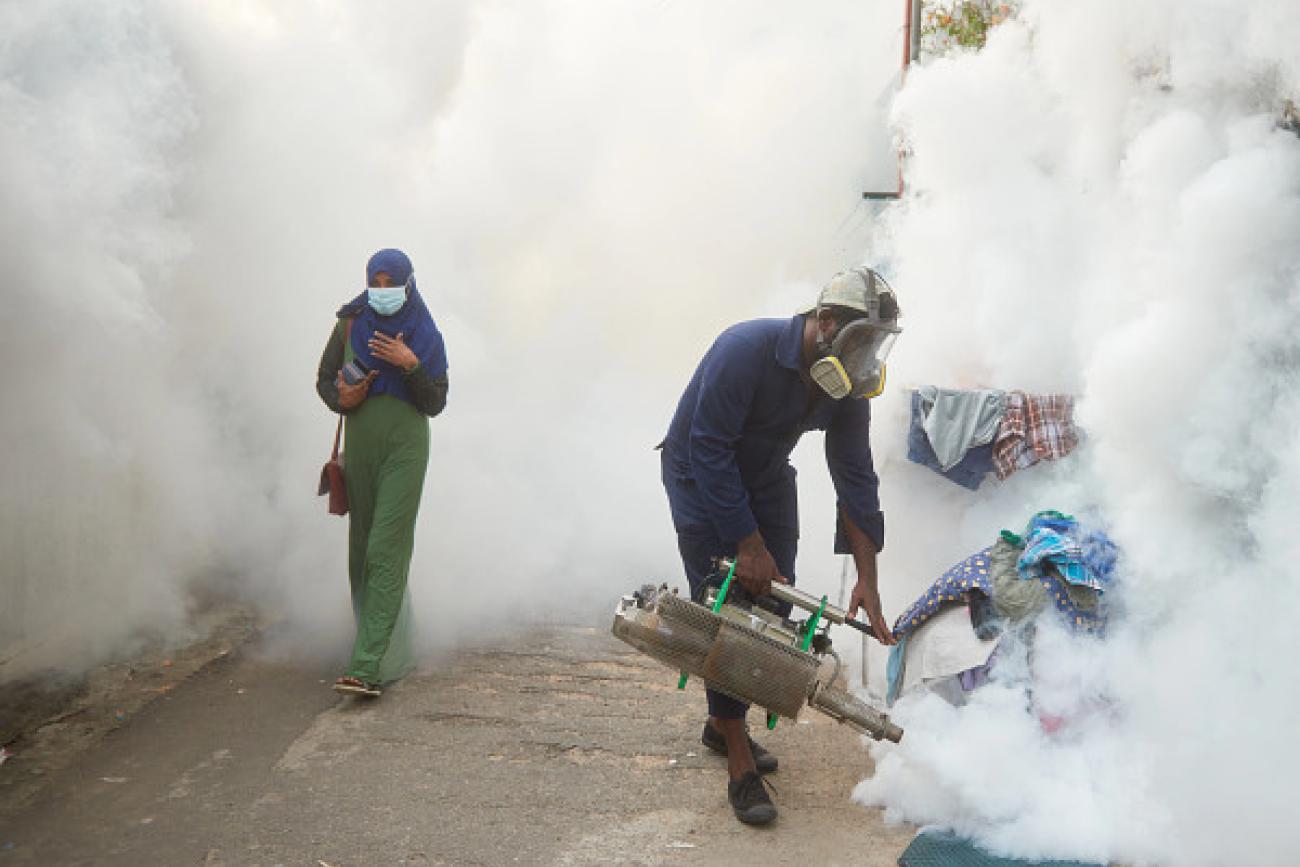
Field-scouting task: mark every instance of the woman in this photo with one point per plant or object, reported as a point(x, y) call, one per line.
point(389, 332)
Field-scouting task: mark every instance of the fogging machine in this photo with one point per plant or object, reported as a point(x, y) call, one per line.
point(750, 651)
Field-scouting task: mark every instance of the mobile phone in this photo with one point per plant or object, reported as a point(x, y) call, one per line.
point(355, 371)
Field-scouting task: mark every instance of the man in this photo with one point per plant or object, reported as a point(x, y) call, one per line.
point(731, 488)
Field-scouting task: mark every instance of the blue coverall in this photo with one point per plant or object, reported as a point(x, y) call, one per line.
point(726, 458)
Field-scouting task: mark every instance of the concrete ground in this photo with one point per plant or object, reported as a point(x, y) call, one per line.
point(566, 748)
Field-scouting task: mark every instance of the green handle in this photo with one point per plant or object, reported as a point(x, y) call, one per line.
point(722, 594)
point(812, 626)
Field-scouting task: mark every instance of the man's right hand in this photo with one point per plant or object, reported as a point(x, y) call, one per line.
point(755, 567)
point(350, 396)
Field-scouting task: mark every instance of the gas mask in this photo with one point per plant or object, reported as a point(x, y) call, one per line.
point(853, 362)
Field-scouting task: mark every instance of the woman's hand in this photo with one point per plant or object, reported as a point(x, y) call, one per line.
point(350, 396)
point(393, 350)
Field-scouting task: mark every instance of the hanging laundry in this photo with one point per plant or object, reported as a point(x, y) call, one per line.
point(1034, 428)
point(952, 587)
point(957, 420)
point(968, 472)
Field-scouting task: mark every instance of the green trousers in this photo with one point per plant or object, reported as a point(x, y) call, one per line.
point(384, 459)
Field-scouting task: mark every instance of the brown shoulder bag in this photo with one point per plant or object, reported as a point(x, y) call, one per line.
point(331, 475)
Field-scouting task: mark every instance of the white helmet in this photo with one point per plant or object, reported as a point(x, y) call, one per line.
point(853, 363)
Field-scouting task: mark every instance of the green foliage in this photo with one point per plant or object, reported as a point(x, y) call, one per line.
point(949, 24)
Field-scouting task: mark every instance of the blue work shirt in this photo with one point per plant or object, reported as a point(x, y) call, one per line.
point(726, 459)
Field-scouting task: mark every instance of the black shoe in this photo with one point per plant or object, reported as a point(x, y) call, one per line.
point(749, 799)
point(763, 760)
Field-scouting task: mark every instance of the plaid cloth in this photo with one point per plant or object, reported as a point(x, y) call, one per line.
point(1034, 428)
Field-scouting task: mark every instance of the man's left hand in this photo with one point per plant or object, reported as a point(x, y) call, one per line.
point(868, 599)
point(393, 350)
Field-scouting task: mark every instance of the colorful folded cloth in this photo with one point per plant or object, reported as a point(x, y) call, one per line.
point(1056, 561)
point(1034, 428)
point(1074, 565)
point(1085, 558)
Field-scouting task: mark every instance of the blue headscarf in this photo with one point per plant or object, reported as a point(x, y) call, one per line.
point(412, 320)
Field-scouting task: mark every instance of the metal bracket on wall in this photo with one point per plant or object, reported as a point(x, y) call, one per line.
point(911, 48)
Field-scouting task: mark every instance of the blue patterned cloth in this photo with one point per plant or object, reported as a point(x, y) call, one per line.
point(1082, 557)
point(973, 573)
point(1081, 619)
point(1056, 545)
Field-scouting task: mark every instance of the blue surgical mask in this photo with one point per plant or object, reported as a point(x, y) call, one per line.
point(388, 301)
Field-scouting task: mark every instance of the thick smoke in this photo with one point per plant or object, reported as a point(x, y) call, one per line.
point(589, 192)
point(1099, 204)
point(106, 498)
point(1103, 204)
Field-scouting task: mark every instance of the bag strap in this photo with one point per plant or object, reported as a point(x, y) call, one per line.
point(347, 343)
point(338, 433)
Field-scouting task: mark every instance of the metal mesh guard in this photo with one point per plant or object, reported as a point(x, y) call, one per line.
point(674, 644)
point(746, 666)
point(731, 658)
